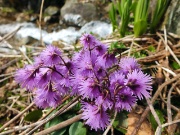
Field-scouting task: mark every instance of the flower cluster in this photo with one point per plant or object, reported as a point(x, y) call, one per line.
point(104, 83)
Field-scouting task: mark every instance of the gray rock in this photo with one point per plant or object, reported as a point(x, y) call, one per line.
point(29, 32)
point(99, 28)
point(7, 28)
point(74, 19)
point(173, 17)
point(78, 13)
point(69, 36)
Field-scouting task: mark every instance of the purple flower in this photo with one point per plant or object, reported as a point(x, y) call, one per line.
point(93, 74)
point(95, 116)
point(88, 41)
point(100, 48)
point(89, 88)
point(47, 97)
point(127, 65)
point(43, 77)
point(38, 61)
point(99, 71)
point(116, 82)
point(26, 77)
point(85, 63)
point(75, 80)
point(105, 102)
point(107, 60)
point(63, 85)
point(51, 55)
point(139, 83)
point(124, 100)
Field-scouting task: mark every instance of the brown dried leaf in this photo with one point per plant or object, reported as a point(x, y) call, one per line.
point(1, 92)
point(132, 120)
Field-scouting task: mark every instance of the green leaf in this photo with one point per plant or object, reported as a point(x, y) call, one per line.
point(153, 121)
point(33, 116)
point(175, 65)
point(53, 122)
point(160, 9)
point(140, 17)
point(152, 48)
point(120, 122)
point(140, 27)
point(77, 128)
point(124, 10)
point(112, 16)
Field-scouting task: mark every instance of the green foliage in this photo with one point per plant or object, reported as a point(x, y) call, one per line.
point(124, 11)
point(151, 48)
point(153, 121)
point(117, 48)
point(112, 16)
point(7, 9)
point(140, 17)
point(140, 10)
point(77, 129)
point(33, 116)
point(56, 121)
point(140, 54)
point(175, 65)
point(161, 7)
point(120, 122)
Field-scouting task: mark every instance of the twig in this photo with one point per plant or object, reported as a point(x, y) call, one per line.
point(16, 117)
point(130, 49)
point(152, 101)
point(9, 108)
point(159, 129)
point(171, 52)
point(54, 115)
point(60, 125)
point(170, 123)
point(26, 131)
point(127, 39)
point(9, 35)
point(110, 125)
point(10, 56)
point(166, 69)
point(33, 125)
point(2, 80)
point(172, 106)
point(19, 128)
point(154, 112)
point(40, 21)
point(173, 127)
point(169, 113)
point(9, 64)
point(24, 54)
point(8, 74)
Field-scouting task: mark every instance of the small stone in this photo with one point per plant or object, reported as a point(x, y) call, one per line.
point(52, 10)
point(78, 14)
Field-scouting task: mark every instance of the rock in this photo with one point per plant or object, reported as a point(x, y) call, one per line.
point(78, 14)
point(29, 32)
point(74, 19)
point(51, 10)
point(51, 14)
point(172, 20)
point(99, 28)
point(68, 35)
